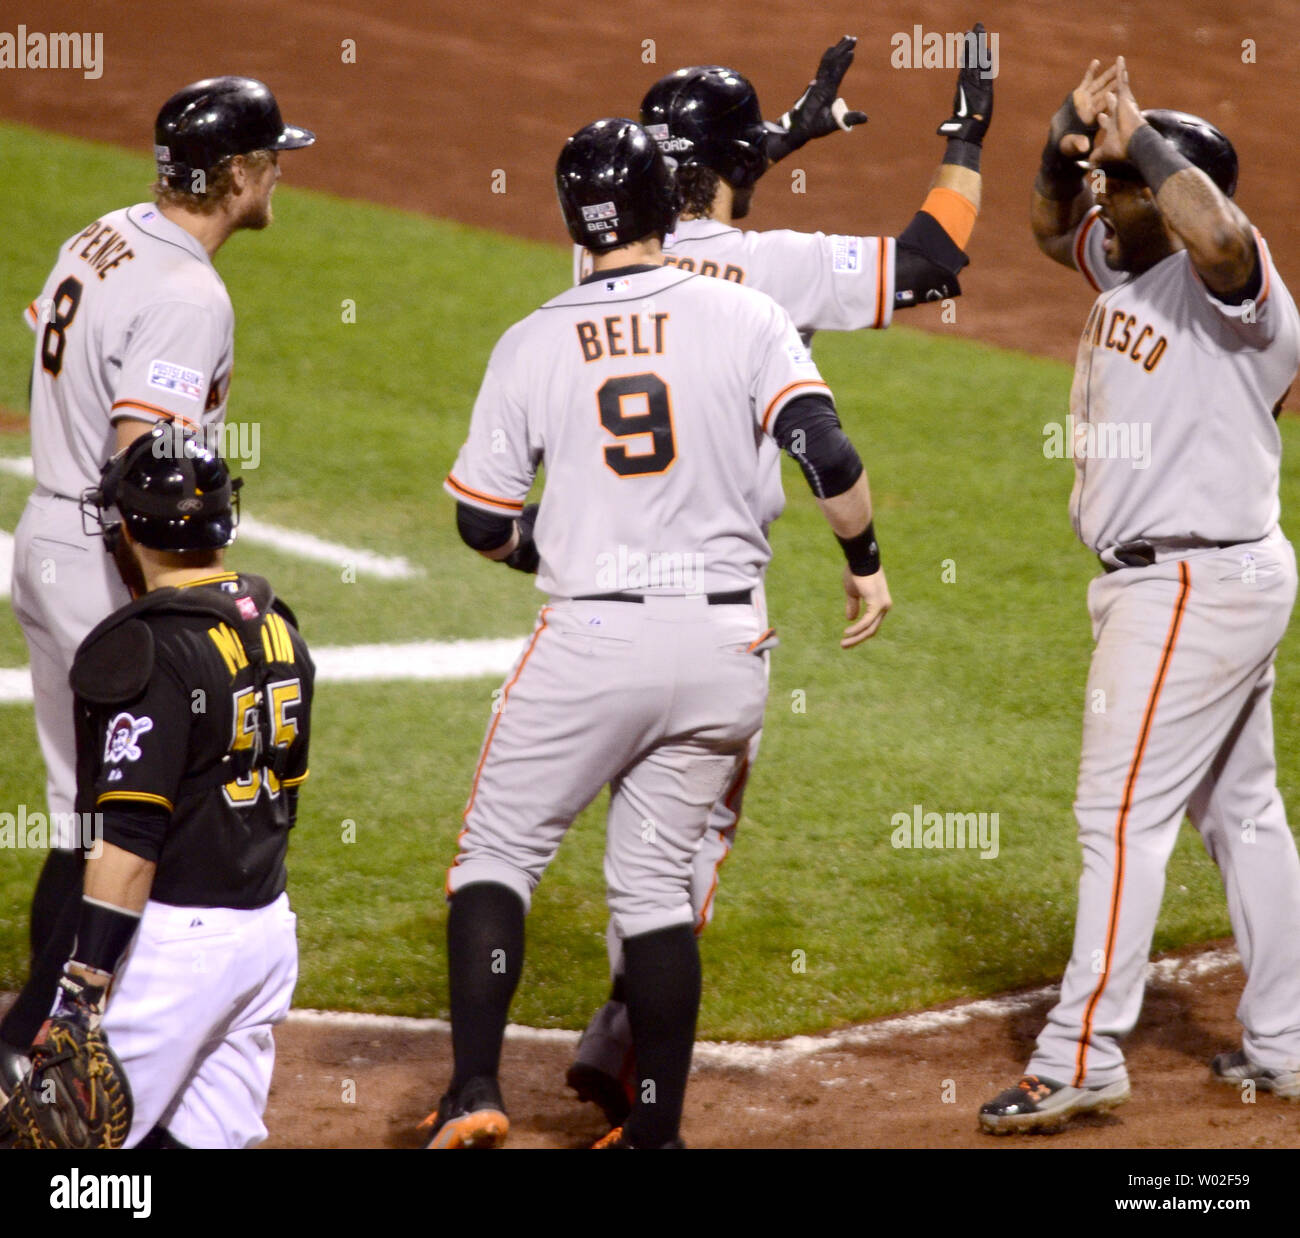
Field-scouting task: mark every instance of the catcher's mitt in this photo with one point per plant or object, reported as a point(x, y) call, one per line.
point(75, 1096)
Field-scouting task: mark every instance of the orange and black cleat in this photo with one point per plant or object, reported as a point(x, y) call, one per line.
point(472, 1116)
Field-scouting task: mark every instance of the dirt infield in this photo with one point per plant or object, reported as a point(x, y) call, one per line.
point(338, 1087)
point(441, 96)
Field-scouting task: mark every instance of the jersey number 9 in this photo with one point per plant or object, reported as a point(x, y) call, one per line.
point(656, 421)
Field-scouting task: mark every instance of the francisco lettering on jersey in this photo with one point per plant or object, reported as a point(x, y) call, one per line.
point(734, 273)
point(625, 335)
point(104, 247)
point(1123, 335)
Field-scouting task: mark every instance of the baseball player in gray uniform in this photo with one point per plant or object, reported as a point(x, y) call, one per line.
point(708, 123)
point(1195, 340)
point(133, 326)
point(646, 391)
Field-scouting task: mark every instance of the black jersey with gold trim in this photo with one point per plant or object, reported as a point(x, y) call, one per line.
point(192, 758)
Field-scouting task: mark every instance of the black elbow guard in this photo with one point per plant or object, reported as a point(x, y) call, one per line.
point(809, 430)
point(481, 530)
point(926, 263)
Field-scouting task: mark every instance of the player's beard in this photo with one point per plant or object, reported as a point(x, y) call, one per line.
point(740, 202)
point(256, 215)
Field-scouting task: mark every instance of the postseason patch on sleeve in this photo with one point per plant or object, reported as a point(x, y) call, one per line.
point(177, 379)
point(846, 255)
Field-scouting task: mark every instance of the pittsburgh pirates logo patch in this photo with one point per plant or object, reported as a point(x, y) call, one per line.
point(123, 731)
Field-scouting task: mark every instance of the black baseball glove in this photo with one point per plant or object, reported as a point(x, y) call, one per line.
point(75, 1096)
point(819, 111)
point(972, 105)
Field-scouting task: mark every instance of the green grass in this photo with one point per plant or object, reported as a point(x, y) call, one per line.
point(970, 700)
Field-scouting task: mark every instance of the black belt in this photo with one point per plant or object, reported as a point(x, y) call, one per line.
point(1141, 554)
point(737, 597)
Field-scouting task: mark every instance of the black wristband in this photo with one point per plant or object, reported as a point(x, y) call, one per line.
point(963, 153)
point(862, 552)
point(1154, 157)
point(1059, 175)
point(103, 933)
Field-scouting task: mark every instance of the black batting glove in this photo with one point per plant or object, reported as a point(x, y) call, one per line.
point(820, 111)
point(524, 557)
point(972, 105)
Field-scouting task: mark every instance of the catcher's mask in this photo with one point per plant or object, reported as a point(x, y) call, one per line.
point(171, 491)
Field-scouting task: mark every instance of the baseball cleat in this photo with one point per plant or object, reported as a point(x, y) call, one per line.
point(594, 1085)
point(473, 1117)
point(616, 1139)
point(1236, 1069)
point(1045, 1106)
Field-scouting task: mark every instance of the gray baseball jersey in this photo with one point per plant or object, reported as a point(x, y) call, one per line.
point(651, 452)
point(1179, 697)
point(133, 321)
point(1173, 404)
point(825, 282)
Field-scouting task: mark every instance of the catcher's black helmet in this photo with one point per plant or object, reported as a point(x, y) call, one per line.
point(614, 186)
point(1198, 141)
point(213, 119)
point(173, 493)
point(709, 115)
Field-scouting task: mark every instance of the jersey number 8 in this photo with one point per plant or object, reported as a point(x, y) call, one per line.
point(53, 341)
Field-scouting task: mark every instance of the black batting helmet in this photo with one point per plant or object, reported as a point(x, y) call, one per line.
point(213, 119)
point(1198, 141)
point(173, 493)
point(614, 186)
point(709, 115)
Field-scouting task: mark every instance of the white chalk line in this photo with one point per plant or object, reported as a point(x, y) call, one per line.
point(415, 661)
point(763, 1057)
point(288, 541)
point(308, 546)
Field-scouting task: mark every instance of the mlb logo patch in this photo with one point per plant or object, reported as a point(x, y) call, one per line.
point(599, 210)
point(177, 379)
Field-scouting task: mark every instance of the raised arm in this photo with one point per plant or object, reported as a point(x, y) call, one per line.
point(1214, 229)
point(1061, 198)
point(932, 248)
